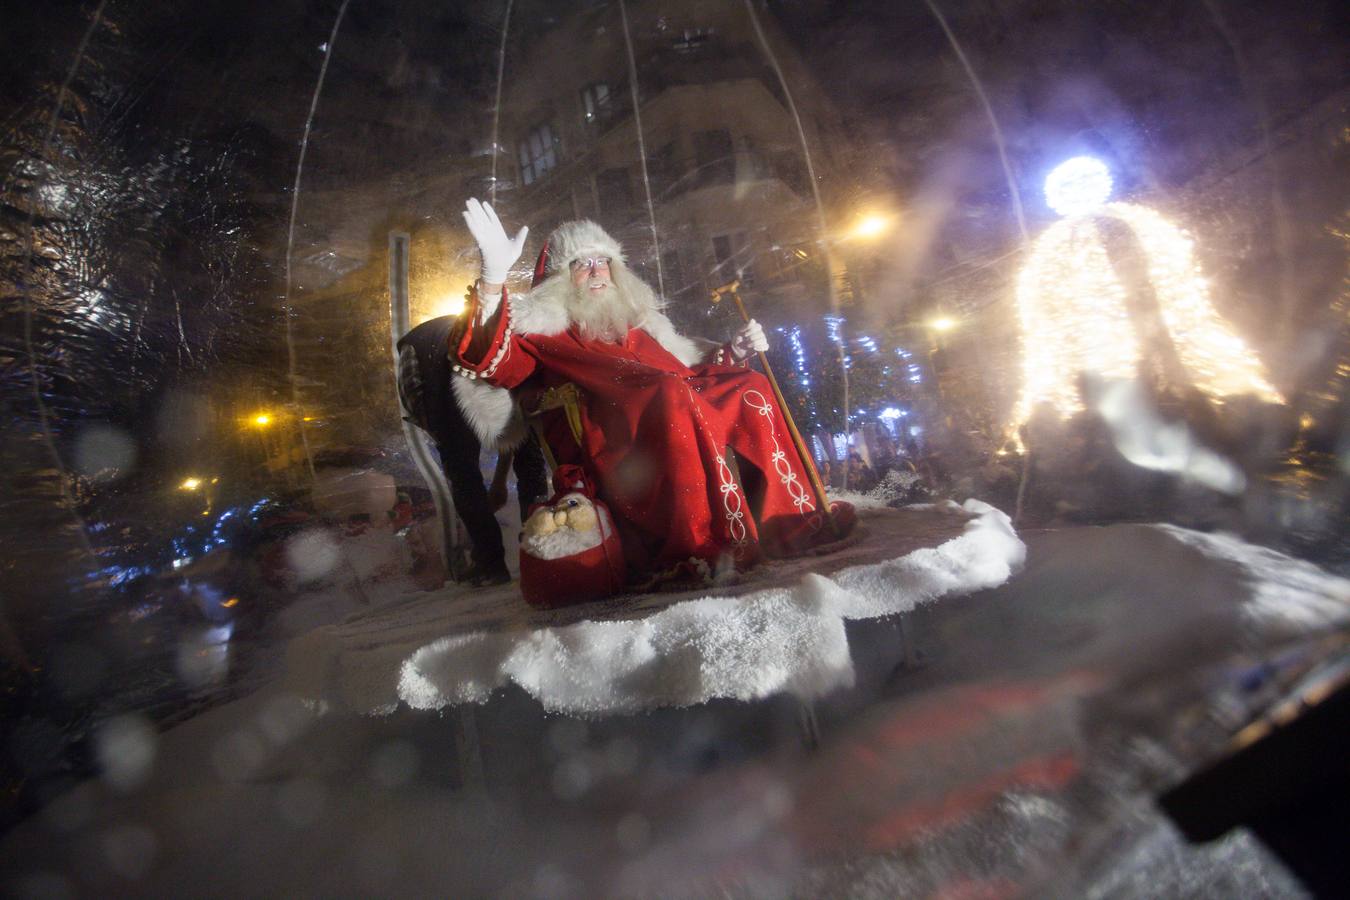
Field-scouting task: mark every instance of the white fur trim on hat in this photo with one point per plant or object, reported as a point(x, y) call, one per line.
point(579, 239)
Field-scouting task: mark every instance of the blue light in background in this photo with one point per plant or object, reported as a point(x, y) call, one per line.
point(1078, 186)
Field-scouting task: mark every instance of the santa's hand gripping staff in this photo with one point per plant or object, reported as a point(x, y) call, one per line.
point(651, 414)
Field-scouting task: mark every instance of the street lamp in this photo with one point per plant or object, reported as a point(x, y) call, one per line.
point(942, 324)
point(449, 305)
point(190, 484)
point(262, 420)
point(870, 226)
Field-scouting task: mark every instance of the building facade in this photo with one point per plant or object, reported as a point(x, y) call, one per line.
point(725, 193)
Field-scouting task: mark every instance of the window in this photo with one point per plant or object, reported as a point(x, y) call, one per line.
point(733, 255)
point(714, 156)
point(615, 190)
point(661, 167)
point(595, 105)
point(692, 39)
point(722, 248)
point(789, 168)
point(537, 153)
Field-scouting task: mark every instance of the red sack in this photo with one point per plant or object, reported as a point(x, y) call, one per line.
point(569, 550)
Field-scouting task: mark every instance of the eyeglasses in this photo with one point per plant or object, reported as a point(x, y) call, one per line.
point(593, 262)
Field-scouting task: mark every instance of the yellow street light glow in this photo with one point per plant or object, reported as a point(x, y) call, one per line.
point(262, 420)
point(450, 305)
point(190, 484)
point(870, 226)
point(1075, 315)
point(942, 324)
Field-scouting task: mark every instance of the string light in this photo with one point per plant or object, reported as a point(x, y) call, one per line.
point(1219, 361)
point(833, 324)
point(1078, 186)
point(1075, 316)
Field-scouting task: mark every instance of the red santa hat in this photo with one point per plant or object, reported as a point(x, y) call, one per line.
point(574, 240)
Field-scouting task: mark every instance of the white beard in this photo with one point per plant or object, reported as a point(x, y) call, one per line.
point(606, 314)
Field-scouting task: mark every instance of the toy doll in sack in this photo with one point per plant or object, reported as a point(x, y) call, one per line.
point(569, 551)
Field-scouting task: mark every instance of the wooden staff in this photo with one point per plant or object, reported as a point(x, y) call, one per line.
point(807, 462)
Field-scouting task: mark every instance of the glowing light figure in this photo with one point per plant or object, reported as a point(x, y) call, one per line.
point(1078, 186)
point(1075, 313)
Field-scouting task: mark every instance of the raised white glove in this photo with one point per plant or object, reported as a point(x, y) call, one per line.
point(499, 252)
point(750, 339)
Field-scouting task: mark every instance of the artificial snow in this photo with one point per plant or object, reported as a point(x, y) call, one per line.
point(745, 647)
point(1285, 594)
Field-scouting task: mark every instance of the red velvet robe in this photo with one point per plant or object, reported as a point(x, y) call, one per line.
point(654, 438)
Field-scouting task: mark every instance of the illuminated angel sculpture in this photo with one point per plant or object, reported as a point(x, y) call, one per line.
point(1078, 315)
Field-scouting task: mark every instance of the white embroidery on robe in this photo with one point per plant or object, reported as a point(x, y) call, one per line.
point(731, 492)
point(800, 498)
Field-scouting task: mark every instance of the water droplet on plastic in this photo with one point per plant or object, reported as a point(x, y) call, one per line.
point(301, 801)
point(567, 735)
point(394, 764)
point(104, 453)
point(572, 778)
point(284, 718)
point(633, 833)
point(238, 755)
point(312, 554)
point(125, 747)
point(129, 850)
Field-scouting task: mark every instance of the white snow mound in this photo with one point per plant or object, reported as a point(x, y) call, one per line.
point(744, 647)
point(1283, 593)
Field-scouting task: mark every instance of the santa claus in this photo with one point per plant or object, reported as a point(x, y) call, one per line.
point(649, 414)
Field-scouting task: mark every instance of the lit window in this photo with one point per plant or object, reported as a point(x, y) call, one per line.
point(595, 105)
point(537, 154)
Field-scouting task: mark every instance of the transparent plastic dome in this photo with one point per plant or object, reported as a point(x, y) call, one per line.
point(1055, 302)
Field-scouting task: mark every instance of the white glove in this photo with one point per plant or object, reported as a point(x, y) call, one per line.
point(750, 339)
point(499, 252)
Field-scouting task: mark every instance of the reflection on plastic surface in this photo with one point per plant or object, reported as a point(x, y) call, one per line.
point(1150, 443)
point(201, 459)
